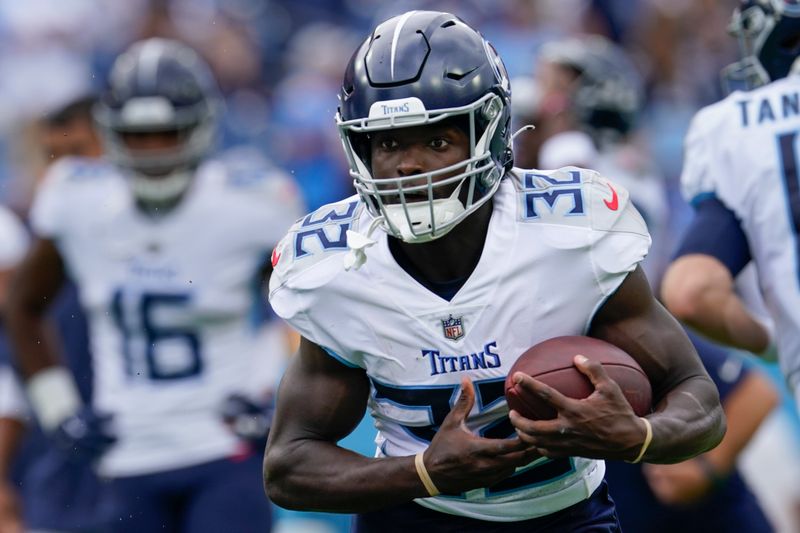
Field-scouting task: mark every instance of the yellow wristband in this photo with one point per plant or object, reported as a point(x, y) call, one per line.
point(648, 438)
point(422, 472)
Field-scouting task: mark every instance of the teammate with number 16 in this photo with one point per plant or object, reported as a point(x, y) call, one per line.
point(415, 297)
point(166, 246)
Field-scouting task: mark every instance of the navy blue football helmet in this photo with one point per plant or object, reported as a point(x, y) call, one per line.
point(769, 42)
point(607, 93)
point(419, 68)
point(159, 85)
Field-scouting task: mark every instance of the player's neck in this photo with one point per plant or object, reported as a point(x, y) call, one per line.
point(451, 257)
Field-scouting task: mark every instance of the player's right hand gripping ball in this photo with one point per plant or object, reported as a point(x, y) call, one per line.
point(551, 362)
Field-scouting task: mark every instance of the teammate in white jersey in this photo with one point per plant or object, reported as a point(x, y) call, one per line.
point(603, 92)
point(168, 249)
point(415, 298)
point(741, 175)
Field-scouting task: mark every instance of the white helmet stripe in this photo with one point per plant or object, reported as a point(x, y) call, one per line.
point(151, 53)
point(397, 30)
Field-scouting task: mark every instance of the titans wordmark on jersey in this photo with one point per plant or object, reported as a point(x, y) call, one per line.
point(168, 300)
point(559, 243)
point(744, 151)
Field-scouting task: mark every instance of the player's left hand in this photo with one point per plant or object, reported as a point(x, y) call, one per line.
point(601, 426)
point(248, 418)
point(678, 484)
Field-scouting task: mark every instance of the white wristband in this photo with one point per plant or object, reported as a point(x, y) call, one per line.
point(53, 396)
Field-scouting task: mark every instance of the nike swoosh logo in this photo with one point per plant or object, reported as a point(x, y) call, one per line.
point(276, 256)
point(612, 204)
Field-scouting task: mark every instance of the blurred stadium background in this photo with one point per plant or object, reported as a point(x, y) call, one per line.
point(279, 63)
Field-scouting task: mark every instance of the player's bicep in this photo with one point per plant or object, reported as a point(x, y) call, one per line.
point(636, 322)
point(319, 398)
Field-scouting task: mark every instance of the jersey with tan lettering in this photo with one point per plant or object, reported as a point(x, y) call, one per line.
point(168, 300)
point(559, 244)
point(744, 151)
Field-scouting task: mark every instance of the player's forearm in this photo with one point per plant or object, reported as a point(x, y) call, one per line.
point(724, 318)
point(319, 476)
point(682, 427)
point(699, 291)
point(11, 432)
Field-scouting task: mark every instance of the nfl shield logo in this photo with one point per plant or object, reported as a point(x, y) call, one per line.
point(453, 329)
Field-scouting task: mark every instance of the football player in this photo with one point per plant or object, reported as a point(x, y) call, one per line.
point(415, 297)
point(168, 247)
point(740, 174)
point(601, 89)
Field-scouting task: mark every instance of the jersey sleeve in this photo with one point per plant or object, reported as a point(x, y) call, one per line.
point(619, 236)
point(301, 288)
point(701, 162)
point(715, 230)
point(13, 239)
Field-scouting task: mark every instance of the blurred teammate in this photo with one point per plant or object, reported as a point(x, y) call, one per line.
point(168, 249)
point(602, 96)
point(741, 175)
point(415, 298)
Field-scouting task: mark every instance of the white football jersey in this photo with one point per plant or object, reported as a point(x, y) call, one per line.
point(559, 244)
point(626, 165)
point(168, 300)
point(744, 151)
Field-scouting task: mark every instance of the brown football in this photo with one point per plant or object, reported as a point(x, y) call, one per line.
point(551, 362)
